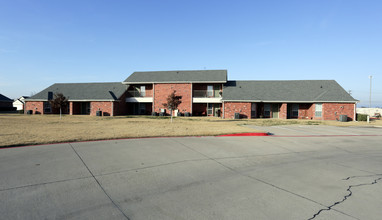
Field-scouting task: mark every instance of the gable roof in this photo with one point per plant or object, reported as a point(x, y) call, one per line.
point(3, 98)
point(184, 76)
point(83, 91)
point(286, 91)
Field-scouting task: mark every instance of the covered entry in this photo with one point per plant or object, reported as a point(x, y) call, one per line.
point(271, 110)
point(81, 108)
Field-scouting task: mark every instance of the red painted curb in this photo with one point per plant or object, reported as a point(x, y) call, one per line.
point(243, 134)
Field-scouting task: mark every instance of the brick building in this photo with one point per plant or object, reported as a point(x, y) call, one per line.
point(84, 99)
point(201, 91)
point(288, 99)
point(204, 93)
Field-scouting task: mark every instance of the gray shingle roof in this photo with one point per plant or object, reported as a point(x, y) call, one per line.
point(83, 91)
point(184, 76)
point(3, 98)
point(286, 91)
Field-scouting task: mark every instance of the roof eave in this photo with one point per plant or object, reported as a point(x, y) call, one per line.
point(275, 101)
point(75, 100)
point(129, 83)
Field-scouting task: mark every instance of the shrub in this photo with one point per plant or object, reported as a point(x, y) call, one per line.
point(361, 117)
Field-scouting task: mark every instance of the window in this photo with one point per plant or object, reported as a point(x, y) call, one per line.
point(295, 110)
point(47, 107)
point(253, 110)
point(267, 110)
point(142, 108)
point(209, 109)
point(143, 91)
point(210, 91)
point(318, 110)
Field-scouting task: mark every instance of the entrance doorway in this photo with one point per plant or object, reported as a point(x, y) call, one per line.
point(275, 110)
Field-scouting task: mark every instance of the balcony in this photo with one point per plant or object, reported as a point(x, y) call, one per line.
point(135, 93)
point(138, 97)
point(207, 96)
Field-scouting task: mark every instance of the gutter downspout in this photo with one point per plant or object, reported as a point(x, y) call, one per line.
point(153, 108)
point(223, 111)
point(112, 108)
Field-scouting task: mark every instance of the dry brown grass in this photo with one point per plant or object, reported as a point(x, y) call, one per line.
point(40, 129)
point(274, 122)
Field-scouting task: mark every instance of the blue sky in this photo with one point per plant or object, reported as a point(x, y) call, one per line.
point(46, 42)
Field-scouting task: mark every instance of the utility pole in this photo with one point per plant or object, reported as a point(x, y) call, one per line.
point(370, 77)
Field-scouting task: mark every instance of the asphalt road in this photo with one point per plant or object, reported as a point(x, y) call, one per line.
point(301, 172)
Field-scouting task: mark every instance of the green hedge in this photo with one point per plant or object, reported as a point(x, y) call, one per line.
point(361, 117)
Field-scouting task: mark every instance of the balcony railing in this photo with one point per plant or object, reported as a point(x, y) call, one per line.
point(207, 94)
point(134, 93)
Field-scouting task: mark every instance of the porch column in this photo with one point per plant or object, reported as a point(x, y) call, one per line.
point(283, 111)
point(70, 108)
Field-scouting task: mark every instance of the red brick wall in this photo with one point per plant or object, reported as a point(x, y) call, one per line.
point(230, 108)
point(162, 91)
point(120, 107)
point(36, 107)
point(306, 111)
point(105, 107)
point(332, 111)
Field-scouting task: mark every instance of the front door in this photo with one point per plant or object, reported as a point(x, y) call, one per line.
point(217, 110)
point(275, 110)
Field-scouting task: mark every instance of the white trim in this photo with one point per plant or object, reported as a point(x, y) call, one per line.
point(85, 100)
point(185, 82)
point(139, 99)
point(206, 100)
point(266, 101)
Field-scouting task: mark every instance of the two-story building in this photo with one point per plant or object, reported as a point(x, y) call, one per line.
point(201, 91)
point(204, 93)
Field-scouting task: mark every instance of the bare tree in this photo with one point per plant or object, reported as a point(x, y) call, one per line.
point(59, 101)
point(173, 102)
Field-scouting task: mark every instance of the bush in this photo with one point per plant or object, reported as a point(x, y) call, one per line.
point(361, 117)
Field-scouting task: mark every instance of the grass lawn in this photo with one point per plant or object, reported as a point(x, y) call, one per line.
point(41, 129)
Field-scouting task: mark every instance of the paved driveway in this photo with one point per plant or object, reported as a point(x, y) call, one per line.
point(274, 177)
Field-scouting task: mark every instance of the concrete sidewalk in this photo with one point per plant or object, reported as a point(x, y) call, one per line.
point(196, 178)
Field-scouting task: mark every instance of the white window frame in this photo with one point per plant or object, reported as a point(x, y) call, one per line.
point(143, 91)
point(318, 110)
point(210, 109)
point(210, 90)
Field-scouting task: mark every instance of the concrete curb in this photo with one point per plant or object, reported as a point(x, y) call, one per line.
point(244, 134)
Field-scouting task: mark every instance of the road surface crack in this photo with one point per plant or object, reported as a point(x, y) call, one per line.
point(350, 193)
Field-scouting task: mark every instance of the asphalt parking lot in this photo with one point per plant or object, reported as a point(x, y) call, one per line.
point(300, 172)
